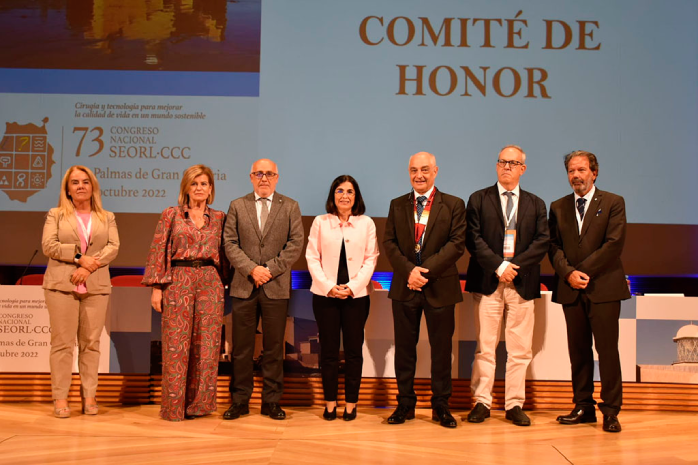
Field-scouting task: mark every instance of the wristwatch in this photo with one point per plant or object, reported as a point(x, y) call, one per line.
point(78, 256)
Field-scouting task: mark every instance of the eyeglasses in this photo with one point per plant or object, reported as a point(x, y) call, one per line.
point(349, 192)
point(261, 174)
point(511, 163)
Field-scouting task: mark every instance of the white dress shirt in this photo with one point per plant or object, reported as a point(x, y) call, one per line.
point(503, 201)
point(258, 206)
point(588, 197)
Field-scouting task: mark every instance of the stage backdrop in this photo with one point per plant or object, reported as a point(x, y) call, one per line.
point(138, 91)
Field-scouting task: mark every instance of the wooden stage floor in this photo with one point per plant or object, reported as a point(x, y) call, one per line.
point(29, 434)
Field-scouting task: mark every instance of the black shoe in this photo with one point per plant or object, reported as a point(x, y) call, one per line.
point(329, 416)
point(349, 416)
point(611, 424)
point(273, 411)
point(578, 415)
point(479, 413)
point(235, 410)
point(441, 414)
point(401, 413)
point(517, 416)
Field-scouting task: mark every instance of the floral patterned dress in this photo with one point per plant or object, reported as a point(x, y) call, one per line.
point(192, 309)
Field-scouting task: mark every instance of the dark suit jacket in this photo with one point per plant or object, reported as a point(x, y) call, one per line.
point(595, 252)
point(484, 238)
point(442, 245)
point(278, 246)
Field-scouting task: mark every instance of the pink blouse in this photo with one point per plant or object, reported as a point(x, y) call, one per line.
point(83, 218)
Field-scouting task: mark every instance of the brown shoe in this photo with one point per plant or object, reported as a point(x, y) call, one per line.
point(611, 424)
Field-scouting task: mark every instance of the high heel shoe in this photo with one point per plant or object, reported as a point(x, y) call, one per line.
point(61, 412)
point(92, 409)
point(349, 416)
point(329, 416)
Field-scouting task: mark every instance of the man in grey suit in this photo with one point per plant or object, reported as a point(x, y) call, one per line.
point(263, 238)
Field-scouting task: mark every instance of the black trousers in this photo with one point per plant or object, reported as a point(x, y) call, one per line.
point(589, 323)
point(348, 317)
point(407, 317)
point(246, 315)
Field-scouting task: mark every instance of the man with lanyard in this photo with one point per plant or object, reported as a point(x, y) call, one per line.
point(424, 237)
point(507, 237)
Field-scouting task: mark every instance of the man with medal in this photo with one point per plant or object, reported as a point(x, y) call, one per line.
point(507, 237)
point(424, 237)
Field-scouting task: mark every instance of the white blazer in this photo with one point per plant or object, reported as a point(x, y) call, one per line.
point(325, 246)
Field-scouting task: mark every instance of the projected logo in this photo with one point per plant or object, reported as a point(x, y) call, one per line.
point(26, 158)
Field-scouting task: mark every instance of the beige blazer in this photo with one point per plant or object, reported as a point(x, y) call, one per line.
point(60, 242)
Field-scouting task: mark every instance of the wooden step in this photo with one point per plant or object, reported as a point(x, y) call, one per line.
point(375, 392)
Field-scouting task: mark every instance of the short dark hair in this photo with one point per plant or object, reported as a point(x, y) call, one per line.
point(593, 162)
point(358, 208)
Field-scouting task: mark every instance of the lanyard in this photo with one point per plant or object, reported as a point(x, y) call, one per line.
point(507, 221)
point(420, 222)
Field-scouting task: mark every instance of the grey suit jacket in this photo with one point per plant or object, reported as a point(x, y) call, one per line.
point(277, 247)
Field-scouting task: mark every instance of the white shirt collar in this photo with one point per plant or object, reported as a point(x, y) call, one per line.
point(589, 195)
point(257, 197)
point(502, 190)
point(427, 194)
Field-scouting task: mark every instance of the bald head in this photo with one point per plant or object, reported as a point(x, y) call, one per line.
point(423, 171)
point(264, 164)
point(264, 185)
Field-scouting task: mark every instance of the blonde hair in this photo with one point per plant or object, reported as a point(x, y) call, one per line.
point(65, 204)
point(188, 177)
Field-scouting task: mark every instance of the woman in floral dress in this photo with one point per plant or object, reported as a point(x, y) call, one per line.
point(187, 268)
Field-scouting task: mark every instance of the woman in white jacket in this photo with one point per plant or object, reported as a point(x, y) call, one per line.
point(342, 253)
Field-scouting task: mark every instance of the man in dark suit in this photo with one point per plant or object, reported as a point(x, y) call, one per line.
point(507, 237)
point(587, 230)
point(424, 237)
point(263, 238)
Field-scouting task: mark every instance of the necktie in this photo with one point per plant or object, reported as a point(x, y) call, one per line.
point(265, 211)
point(420, 209)
point(420, 206)
point(510, 207)
point(580, 207)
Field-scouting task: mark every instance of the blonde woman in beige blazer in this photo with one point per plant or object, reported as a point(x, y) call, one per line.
point(80, 239)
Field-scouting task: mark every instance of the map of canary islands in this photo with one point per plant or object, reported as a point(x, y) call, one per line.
point(26, 159)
